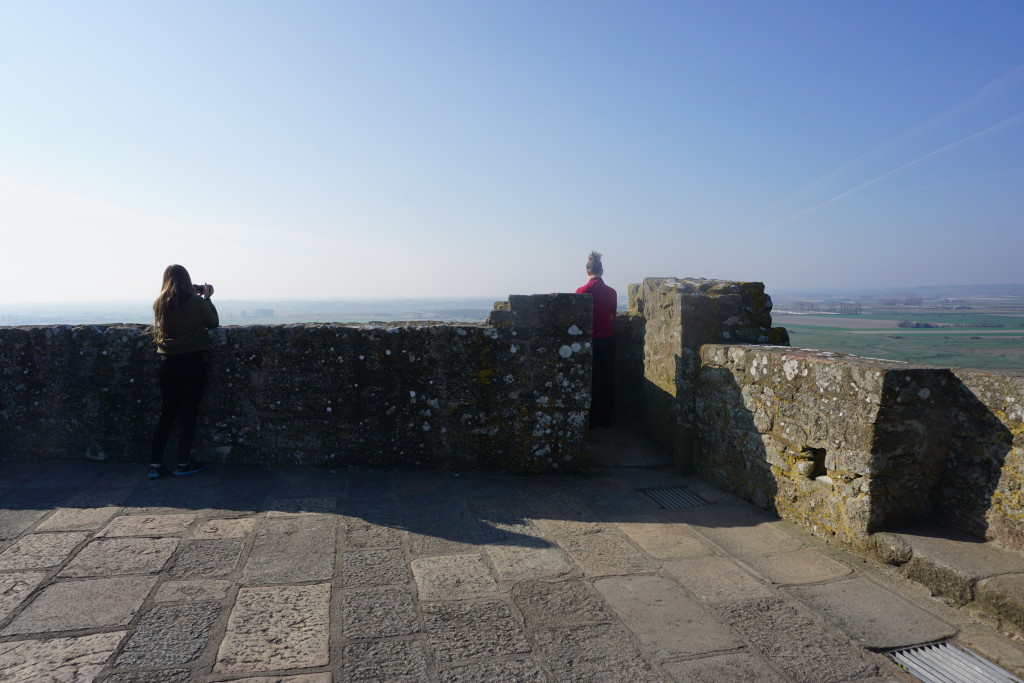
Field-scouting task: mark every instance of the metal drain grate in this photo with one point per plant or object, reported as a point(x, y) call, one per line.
point(943, 663)
point(674, 497)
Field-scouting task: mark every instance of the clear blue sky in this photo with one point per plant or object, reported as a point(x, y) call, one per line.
point(440, 148)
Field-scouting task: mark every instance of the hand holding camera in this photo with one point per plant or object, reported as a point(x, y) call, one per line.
point(204, 290)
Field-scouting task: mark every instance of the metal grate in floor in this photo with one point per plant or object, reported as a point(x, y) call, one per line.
point(944, 663)
point(674, 497)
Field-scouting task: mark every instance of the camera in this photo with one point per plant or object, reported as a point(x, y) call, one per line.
point(203, 290)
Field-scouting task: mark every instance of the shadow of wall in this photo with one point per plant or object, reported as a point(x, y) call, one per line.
point(629, 366)
point(980, 490)
point(730, 441)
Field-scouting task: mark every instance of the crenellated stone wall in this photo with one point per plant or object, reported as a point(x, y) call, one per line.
point(676, 317)
point(842, 445)
point(847, 446)
point(511, 394)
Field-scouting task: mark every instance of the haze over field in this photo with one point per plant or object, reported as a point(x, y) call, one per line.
point(340, 150)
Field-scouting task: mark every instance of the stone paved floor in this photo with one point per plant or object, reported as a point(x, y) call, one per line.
point(314, 576)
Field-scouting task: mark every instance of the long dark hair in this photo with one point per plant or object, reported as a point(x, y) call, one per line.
point(176, 290)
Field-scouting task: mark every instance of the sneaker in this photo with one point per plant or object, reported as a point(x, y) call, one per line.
point(190, 467)
point(156, 471)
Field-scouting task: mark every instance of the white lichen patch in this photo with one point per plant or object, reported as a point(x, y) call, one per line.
point(565, 352)
point(791, 368)
point(575, 331)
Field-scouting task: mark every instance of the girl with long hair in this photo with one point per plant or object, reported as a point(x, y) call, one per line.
point(182, 313)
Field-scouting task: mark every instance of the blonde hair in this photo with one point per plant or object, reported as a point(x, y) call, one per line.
point(594, 266)
point(176, 290)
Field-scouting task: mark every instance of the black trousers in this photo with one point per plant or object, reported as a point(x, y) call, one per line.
point(602, 391)
point(182, 379)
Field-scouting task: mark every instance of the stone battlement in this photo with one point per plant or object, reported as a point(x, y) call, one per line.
point(511, 394)
point(843, 446)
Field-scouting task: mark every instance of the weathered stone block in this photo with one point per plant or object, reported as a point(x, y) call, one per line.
point(93, 603)
point(289, 549)
point(278, 627)
point(400, 661)
point(595, 653)
point(64, 659)
point(380, 567)
point(38, 551)
point(854, 444)
point(508, 672)
point(15, 588)
point(114, 556)
point(668, 621)
point(453, 577)
point(795, 643)
point(550, 604)
point(471, 630)
point(169, 634)
point(208, 558)
point(379, 613)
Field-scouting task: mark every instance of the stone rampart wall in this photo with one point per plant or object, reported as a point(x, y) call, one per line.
point(847, 446)
point(844, 446)
point(675, 317)
point(511, 394)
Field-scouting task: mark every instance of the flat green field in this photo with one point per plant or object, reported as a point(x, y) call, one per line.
point(986, 349)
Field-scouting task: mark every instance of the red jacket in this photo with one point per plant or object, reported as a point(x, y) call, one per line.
point(605, 303)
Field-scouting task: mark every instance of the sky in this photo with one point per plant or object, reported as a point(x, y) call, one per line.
point(386, 148)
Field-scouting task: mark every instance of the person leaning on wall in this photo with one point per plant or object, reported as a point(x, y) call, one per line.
point(182, 313)
point(602, 393)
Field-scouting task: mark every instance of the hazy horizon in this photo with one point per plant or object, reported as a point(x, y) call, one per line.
point(1011, 288)
point(313, 149)
point(384, 309)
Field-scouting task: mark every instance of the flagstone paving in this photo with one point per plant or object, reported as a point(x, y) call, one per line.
point(258, 575)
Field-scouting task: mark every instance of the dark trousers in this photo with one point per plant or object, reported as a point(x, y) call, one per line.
point(182, 378)
point(602, 392)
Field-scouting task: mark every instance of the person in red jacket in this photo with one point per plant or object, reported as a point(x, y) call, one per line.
point(605, 302)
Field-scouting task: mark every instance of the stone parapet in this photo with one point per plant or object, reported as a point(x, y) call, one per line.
point(846, 446)
point(509, 395)
point(679, 315)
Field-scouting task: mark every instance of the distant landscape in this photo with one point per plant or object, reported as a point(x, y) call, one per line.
point(979, 326)
point(276, 312)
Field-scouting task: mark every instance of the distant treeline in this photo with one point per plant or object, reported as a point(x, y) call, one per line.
point(983, 323)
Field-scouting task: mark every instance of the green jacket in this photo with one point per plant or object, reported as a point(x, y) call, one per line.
point(185, 327)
